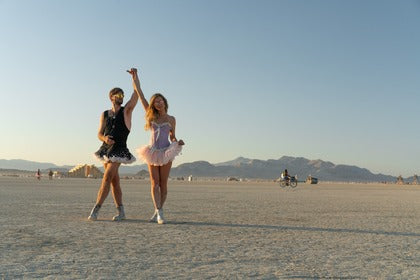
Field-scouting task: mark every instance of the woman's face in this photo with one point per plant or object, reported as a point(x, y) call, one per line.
point(159, 104)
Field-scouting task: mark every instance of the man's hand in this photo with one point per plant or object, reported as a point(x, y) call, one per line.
point(181, 143)
point(109, 140)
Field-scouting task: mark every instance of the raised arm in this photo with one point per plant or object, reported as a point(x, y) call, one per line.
point(137, 88)
point(129, 107)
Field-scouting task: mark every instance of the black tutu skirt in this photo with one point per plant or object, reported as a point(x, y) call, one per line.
point(114, 153)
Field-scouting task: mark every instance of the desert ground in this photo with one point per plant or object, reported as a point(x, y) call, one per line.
point(217, 230)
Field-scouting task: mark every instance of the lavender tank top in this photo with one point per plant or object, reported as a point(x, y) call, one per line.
point(160, 134)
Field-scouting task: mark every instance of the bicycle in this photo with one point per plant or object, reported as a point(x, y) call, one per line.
point(291, 181)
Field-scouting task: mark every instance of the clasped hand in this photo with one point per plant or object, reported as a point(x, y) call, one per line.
point(109, 140)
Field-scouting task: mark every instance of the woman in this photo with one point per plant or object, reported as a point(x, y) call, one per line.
point(161, 152)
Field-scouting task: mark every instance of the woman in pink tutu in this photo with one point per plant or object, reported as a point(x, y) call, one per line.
point(163, 147)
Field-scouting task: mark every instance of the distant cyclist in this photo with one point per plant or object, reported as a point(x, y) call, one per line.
point(287, 180)
point(285, 175)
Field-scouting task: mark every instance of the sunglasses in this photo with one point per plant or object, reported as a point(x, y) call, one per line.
point(119, 95)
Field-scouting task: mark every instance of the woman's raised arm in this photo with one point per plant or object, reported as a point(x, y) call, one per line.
point(137, 88)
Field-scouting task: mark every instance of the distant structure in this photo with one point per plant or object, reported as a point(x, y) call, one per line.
point(311, 180)
point(400, 180)
point(85, 171)
point(142, 174)
point(234, 179)
point(59, 174)
point(415, 180)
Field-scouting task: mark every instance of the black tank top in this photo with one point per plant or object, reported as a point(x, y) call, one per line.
point(115, 127)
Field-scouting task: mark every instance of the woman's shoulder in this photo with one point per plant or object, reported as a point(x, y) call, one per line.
point(171, 120)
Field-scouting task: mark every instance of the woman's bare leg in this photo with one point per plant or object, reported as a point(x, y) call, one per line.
point(155, 186)
point(164, 175)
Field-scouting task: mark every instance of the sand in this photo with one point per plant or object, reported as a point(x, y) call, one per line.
point(218, 230)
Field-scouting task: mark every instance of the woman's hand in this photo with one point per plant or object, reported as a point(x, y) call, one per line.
point(133, 73)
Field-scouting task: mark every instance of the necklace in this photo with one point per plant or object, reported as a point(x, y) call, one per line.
point(113, 114)
point(112, 117)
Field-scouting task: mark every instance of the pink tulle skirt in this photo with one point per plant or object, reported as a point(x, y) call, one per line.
point(159, 157)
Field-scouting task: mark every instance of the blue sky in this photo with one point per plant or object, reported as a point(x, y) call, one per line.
point(331, 80)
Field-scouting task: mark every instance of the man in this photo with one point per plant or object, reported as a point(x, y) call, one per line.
point(285, 175)
point(114, 127)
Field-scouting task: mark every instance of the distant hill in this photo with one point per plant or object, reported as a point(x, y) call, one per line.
point(143, 173)
point(271, 169)
point(240, 167)
point(20, 164)
point(236, 162)
point(15, 172)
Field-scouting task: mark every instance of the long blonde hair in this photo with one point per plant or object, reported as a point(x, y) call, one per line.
point(152, 114)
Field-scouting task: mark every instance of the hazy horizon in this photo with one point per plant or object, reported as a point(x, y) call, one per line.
point(136, 164)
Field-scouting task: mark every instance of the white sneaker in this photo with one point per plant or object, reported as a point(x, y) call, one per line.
point(121, 214)
point(94, 213)
point(153, 219)
point(160, 218)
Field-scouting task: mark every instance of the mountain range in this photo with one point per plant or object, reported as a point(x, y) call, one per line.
point(20, 164)
point(242, 168)
point(271, 169)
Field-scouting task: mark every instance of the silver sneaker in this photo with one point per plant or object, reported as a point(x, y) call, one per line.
point(94, 213)
point(121, 214)
point(160, 218)
point(153, 219)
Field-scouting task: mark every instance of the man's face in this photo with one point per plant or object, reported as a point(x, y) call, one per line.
point(118, 98)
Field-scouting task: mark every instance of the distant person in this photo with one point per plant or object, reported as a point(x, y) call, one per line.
point(114, 127)
point(285, 175)
point(163, 148)
point(38, 174)
point(50, 174)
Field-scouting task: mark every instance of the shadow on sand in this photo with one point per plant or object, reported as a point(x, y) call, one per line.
point(277, 227)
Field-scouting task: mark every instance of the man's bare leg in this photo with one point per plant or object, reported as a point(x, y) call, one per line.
point(116, 188)
point(110, 171)
point(117, 195)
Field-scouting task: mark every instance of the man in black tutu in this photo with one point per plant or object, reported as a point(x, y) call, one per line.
point(114, 127)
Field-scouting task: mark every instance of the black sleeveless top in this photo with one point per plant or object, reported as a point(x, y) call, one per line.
point(115, 127)
point(117, 152)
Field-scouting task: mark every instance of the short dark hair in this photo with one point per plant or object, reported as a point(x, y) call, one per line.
point(115, 91)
